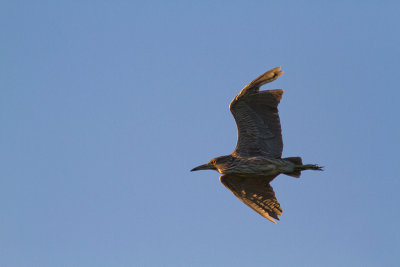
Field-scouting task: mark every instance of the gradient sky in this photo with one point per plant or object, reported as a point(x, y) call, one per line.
point(105, 106)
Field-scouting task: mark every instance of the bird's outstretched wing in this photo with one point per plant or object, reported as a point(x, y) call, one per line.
point(255, 192)
point(257, 118)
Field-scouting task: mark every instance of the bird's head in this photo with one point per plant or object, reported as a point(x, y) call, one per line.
point(217, 164)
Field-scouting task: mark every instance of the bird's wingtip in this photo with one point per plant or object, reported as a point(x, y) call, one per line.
point(279, 71)
point(271, 219)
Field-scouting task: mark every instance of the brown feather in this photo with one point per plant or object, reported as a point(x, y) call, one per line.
point(255, 192)
point(257, 118)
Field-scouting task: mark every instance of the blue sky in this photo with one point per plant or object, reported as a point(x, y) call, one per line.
point(106, 106)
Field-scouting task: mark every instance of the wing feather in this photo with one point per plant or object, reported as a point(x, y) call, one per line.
point(255, 192)
point(257, 118)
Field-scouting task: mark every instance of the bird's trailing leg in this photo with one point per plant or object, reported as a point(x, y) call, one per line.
point(310, 167)
point(299, 167)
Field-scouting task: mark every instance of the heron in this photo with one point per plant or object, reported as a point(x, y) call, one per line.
point(256, 160)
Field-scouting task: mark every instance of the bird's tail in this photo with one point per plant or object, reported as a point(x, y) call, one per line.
point(298, 162)
point(295, 160)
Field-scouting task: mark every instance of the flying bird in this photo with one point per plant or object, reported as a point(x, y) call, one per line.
point(257, 160)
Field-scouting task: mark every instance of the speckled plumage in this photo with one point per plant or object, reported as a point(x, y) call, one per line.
point(256, 160)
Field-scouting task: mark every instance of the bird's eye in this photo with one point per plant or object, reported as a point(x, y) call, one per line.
point(214, 161)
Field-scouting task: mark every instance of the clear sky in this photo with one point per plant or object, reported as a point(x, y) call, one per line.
point(105, 106)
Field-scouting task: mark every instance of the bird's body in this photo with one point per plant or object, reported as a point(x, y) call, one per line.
point(257, 160)
point(259, 165)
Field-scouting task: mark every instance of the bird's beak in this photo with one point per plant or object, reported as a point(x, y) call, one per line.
point(207, 166)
